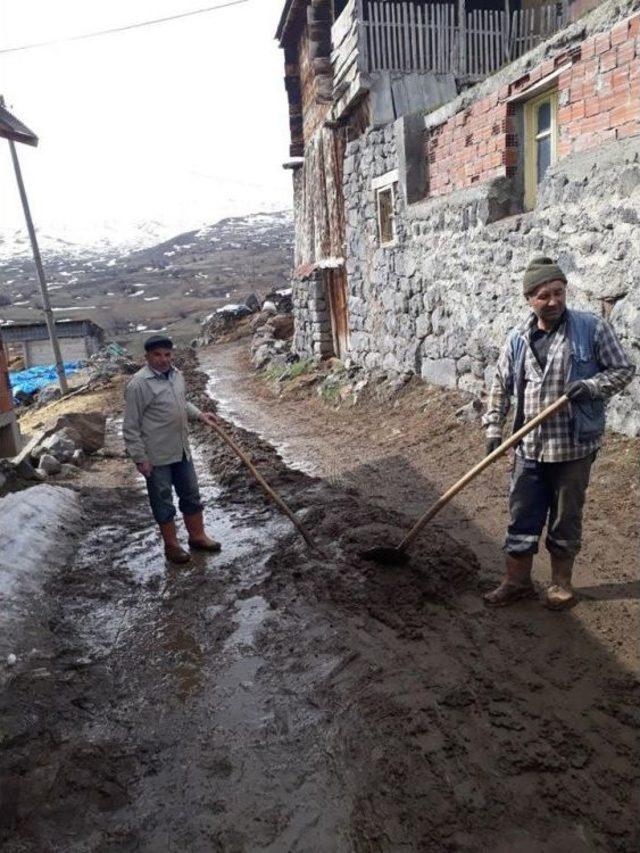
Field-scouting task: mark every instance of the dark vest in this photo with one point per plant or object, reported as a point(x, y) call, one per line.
point(587, 417)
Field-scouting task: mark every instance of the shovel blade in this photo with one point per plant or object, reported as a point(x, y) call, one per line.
point(385, 556)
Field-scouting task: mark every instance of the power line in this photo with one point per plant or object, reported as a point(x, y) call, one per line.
point(124, 28)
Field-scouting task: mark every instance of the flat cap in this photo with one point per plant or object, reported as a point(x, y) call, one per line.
point(157, 341)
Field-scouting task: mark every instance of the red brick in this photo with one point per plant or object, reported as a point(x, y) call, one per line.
point(503, 93)
point(588, 48)
point(565, 79)
point(621, 115)
point(603, 43)
point(634, 69)
point(510, 157)
point(634, 25)
point(564, 114)
point(619, 33)
point(632, 128)
point(626, 52)
point(594, 123)
point(546, 68)
point(592, 107)
point(578, 110)
point(608, 60)
point(620, 75)
point(590, 68)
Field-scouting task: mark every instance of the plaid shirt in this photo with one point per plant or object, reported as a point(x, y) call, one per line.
point(553, 441)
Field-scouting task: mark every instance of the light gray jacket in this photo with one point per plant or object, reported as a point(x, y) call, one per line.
point(156, 414)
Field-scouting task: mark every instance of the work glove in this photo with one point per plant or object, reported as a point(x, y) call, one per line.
point(578, 392)
point(492, 444)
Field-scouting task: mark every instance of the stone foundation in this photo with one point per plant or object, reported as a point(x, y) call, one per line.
point(441, 301)
point(312, 323)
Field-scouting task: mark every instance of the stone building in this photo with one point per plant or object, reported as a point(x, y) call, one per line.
point(441, 206)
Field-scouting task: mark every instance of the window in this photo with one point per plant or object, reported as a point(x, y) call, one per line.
point(541, 137)
point(386, 216)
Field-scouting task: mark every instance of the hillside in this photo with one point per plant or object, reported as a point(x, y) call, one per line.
point(170, 286)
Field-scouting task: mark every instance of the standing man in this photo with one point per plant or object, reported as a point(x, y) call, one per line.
point(556, 351)
point(156, 437)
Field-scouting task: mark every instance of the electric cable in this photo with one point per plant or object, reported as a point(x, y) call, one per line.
point(123, 28)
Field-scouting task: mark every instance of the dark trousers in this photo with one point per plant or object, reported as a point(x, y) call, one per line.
point(180, 476)
point(551, 492)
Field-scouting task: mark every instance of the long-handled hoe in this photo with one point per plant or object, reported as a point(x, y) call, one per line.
point(397, 555)
point(263, 483)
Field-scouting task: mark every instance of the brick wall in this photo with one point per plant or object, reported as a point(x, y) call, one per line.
point(599, 100)
point(600, 93)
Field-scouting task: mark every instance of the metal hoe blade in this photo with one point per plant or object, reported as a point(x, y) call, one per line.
point(386, 556)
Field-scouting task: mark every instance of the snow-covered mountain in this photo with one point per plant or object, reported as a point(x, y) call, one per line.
point(148, 284)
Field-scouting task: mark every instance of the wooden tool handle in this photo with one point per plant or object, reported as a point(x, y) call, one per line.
point(267, 488)
point(473, 473)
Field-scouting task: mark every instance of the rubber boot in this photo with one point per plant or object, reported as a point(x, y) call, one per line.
point(516, 583)
point(198, 539)
point(172, 550)
point(560, 594)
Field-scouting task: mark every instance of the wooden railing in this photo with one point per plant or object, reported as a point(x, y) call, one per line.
point(408, 37)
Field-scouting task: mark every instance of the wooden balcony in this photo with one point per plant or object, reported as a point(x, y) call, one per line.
point(376, 35)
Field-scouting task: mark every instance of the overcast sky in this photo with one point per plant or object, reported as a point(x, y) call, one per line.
point(183, 122)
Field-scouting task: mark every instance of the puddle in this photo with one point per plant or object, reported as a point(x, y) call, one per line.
point(250, 616)
point(246, 413)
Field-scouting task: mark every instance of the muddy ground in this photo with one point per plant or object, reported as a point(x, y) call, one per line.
point(275, 699)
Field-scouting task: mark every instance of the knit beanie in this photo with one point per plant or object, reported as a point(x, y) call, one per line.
point(541, 270)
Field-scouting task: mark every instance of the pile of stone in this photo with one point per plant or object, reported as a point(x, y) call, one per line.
point(109, 361)
point(271, 341)
point(61, 447)
point(251, 314)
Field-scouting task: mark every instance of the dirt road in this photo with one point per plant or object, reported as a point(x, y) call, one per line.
point(269, 699)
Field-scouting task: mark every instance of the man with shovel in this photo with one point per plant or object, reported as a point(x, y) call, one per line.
point(156, 437)
point(556, 351)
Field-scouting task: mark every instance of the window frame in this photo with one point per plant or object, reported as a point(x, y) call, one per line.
point(390, 187)
point(531, 139)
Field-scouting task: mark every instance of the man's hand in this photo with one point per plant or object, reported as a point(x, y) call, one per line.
point(578, 391)
point(145, 468)
point(492, 444)
point(209, 418)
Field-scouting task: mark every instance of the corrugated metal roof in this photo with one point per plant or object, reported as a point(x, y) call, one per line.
point(12, 128)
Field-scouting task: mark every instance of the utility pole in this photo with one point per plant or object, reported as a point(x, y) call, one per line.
point(46, 302)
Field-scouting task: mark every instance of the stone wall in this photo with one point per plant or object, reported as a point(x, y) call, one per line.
point(441, 301)
point(312, 327)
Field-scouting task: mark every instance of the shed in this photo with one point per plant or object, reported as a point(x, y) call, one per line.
point(9, 433)
point(79, 340)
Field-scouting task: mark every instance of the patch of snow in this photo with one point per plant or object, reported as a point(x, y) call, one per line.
point(137, 293)
point(112, 262)
point(140, 328)
point(151, 298)
point(75, 308)
point(34, 542)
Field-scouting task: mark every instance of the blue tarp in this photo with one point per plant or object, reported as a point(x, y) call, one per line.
point(35, 378)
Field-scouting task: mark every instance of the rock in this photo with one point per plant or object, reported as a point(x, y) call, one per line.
point(67, 470)
point(49, 464)
point(60, 444)
point(48, 394)
point(78, 458)
point(86, 429)
point(269, 307)
point(471, 412)
point(282, 325)
point(440, 371)
point(12, 660)
point(252, 302)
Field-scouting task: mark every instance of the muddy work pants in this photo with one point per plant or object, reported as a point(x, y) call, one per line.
point(180, 476)
point(551, 492)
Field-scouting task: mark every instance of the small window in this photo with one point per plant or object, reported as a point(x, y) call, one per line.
point(386, 215)
point(541, 137)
